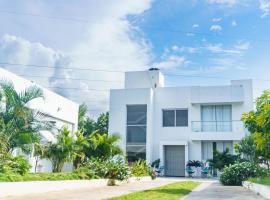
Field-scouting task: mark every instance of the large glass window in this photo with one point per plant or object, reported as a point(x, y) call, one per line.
point(208, 148)
point(178, 117)
point(216, 117)
point(136, 132)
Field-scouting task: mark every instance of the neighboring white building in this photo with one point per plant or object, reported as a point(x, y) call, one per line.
point(177, 124)
point(61, 110)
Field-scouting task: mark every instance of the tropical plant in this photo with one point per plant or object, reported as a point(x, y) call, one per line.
point(19, 124)
point(238, 172)
point(14, 165)
point(103, 146)
point(222, 159)
point(61, 151)
point(194, 163)
point(38, 153)
point(80, 147)
point(103, 123)
point(140, 168)
point(258, 124)
point(155, 164)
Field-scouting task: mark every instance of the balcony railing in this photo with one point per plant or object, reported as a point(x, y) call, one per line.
point(216, 126)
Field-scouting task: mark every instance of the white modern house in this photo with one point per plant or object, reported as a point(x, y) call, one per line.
point(177, 124)
point(58, 109)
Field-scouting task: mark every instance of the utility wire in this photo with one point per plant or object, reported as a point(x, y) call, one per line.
point(152, 28)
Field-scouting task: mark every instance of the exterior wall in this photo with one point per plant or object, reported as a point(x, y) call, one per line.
point(238, 95)
point(59, 109)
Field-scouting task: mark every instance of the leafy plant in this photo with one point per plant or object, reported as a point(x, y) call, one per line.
point(194, 163)
point(61, 151)
point(222, 159)
point(19, 124)
point(258, 124)
point(155, 164)
point(238, 172)
point(140, 168)
point(14, 165)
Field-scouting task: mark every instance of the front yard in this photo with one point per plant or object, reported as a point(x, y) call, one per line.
point(168, 192)
point(262, 180)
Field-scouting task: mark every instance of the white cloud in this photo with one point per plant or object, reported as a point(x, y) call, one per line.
point(215, 28)
point(234, 23)
point(195, 25)
point(242, 46)
point(171, 62)
point(216, 19)
point(218, 48)
point(222, 2)
point(112, 43)
point(185, 49)
point(265, 7)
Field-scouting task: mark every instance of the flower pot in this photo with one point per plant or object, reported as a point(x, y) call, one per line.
point(111, 182)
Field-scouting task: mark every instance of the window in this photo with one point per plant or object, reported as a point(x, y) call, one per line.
point(216, 118)
point(208, 148)
point(172, 118)
point(136, 132)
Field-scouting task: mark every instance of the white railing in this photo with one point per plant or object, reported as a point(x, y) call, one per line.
point(217, 126)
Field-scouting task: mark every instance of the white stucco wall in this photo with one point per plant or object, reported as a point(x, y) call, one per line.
point(60, 109)
point(238, 94)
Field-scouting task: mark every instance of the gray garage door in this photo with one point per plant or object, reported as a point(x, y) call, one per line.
point(175, 160)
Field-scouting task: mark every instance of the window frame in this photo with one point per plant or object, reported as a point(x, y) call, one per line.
point(174, 109)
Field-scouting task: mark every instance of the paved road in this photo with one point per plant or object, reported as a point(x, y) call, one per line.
point(95, 193)
point(215, 191)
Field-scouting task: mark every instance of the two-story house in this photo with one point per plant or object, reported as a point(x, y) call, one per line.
point(177, 124)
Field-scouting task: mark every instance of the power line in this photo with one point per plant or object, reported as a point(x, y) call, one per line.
point(70, 88)
point(63, 78)
point(62, 67)
point(152, 28)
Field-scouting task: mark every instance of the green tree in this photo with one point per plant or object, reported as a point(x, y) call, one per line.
point(103, 123)
point(81, 146)
point(61, 151)
point(89, 126)
point(222, 159)
point(19, 124)
point(82, 116)
point(258, 124)
point(104, 146)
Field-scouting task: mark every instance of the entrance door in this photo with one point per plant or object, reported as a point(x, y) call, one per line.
point(175, 160)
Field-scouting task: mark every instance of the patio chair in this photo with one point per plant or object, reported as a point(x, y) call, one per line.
point(190, 171)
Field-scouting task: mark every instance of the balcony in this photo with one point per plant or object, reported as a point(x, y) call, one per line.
point(217, 130)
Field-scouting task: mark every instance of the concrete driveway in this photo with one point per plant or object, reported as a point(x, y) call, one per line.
point(216, 191)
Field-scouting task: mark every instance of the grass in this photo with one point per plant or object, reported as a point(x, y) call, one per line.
point(263, 180)
point(168, 192)
point(10, 177)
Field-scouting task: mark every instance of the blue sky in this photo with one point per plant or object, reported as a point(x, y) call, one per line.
point(207, 41)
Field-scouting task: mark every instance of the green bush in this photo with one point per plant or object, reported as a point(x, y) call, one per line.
point(17, 165)
point(238, 172)
point(140, 168)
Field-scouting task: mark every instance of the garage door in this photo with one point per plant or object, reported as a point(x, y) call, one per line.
point(175, 160)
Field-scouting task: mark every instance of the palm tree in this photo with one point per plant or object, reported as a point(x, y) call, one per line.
point(104, 146)
point(61, 151)
point(19, 124)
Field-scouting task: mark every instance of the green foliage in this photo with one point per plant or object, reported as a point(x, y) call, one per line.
point(222, 159)
point(194, 163)
point(14, 165)
point(104, 146)
point(103, 123)
point(261, 180)
point(238, 172)
point(258, 123)
point(140, 168)
point(77, 175)
point(155, 163)
point(113, 168)
point(19, 124)
point(61, 151)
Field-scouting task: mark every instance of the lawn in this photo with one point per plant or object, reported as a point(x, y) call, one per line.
point(263, 181)
point(168, 192)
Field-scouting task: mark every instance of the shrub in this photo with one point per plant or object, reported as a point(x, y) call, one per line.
point(17, 165)
point(140, 168)
point(236, 173)
point(222, 159)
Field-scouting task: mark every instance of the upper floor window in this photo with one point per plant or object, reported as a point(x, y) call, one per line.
point(175, 117)
point(216, 117)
